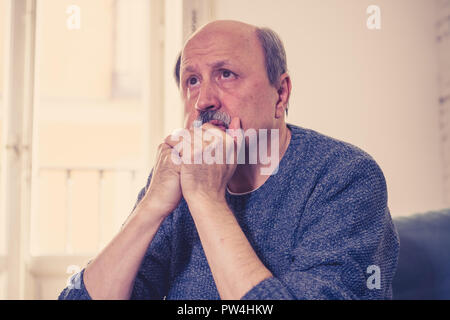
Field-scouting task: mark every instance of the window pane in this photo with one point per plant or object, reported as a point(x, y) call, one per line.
point(2, 71)
point(90, 121)
point(2, 214)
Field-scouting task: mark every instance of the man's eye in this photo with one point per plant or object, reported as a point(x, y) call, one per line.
point(192, 81)
point(226, 74)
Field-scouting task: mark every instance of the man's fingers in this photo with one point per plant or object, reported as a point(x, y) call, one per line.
point(169, 154)
point(188, 145)
point(235, 124)
point(178, 136)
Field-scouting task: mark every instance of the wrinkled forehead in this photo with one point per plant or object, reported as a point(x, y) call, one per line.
point(220, 45)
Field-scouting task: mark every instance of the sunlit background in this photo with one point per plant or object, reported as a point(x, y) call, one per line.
point(86, 95)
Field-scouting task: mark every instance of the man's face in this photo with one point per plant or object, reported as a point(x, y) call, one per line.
point(223, 72)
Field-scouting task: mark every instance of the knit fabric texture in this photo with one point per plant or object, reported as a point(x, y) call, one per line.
point(321, 225)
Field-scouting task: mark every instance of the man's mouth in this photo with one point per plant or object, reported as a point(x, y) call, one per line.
point(219, 124)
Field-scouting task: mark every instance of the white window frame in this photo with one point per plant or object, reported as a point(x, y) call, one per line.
point(17, 138)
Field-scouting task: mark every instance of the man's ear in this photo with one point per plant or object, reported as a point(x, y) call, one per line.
point(284, 92)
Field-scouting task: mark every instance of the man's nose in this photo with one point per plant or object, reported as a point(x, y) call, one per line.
point(207, 98)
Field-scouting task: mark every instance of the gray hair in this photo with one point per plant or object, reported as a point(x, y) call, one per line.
point(274, 55)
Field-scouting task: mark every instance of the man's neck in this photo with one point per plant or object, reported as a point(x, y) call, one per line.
point(248, 177)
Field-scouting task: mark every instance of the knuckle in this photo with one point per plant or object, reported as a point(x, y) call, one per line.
point(161, 146)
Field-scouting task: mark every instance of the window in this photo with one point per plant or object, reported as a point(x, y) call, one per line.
point(90, 140)
point(97, 115)
point(2, 214)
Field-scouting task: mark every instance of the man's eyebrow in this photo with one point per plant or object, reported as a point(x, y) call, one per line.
point(214, 65)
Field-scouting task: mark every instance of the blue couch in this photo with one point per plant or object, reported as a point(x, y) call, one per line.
point(423, 270)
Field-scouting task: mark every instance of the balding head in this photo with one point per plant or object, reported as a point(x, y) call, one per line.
point(223, 38)
point(239, 29)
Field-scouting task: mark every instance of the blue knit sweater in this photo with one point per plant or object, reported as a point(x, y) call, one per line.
point(320, 225)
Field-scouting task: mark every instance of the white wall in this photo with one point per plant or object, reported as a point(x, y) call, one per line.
point(376, 89)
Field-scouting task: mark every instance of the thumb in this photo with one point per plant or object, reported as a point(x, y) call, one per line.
point(235, 130)
point(235, 123)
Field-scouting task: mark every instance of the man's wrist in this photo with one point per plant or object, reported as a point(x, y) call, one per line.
point(202, 201)
point(148, 213)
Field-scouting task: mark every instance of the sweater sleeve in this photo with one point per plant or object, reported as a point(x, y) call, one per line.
point(347, 246)
point(152, 277)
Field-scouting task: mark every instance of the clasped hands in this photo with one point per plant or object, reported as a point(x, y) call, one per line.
point(182, 170)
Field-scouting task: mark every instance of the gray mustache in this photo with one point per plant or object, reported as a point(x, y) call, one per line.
point(206, 116)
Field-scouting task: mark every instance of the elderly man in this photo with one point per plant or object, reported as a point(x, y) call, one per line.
point(318, 227)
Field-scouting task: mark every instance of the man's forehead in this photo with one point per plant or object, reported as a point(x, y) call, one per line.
point(219, 48)
point(213, 65)
point(218, 43)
